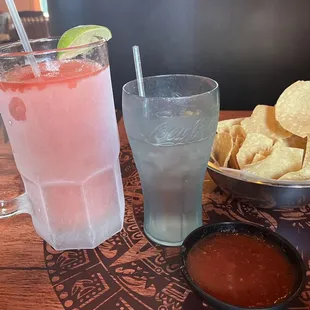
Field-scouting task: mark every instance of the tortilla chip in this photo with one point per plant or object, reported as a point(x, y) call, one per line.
point(224, 126)
point(301, 175)
point(233, 158)
point(263, 121)
point(258, 157)
point(281, 161)
point(293, 141)
point(237, 131)
point(253, 143)
point(292, 108)
point(306, 162)
point(222, 148)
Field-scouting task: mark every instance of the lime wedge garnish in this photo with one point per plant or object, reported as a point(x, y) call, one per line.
point(81, 35)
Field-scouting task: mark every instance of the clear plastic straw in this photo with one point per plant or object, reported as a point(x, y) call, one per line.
point(138, 68)
point(23, 36)
point(139, 75)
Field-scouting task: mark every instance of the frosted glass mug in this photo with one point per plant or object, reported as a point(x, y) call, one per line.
point(63, 132)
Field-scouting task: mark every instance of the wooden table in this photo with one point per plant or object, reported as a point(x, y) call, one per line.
point(127, 271)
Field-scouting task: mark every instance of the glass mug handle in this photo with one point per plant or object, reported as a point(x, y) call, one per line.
point(14, 206)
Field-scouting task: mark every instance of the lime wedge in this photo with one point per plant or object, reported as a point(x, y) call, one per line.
point(81, 35)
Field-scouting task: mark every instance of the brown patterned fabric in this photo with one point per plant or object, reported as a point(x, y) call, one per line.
point(130, 272)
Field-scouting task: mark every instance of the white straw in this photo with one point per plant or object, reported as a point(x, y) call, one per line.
point(23, 36)
point(138, 68)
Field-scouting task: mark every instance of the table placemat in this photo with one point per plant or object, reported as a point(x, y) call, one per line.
point(130, 272)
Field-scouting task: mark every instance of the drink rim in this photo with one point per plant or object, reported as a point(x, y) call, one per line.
point(214, 88)
point(3, 47)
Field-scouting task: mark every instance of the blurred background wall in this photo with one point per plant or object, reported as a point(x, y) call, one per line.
point(23, 5)
point(254, 49)
point(34, 16)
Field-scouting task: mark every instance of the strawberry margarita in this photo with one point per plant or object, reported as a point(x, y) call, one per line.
point(63, 132)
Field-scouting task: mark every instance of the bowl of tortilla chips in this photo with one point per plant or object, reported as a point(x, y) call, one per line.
point(264, 159)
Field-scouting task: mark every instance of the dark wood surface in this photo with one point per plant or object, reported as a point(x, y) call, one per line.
point(30, 280)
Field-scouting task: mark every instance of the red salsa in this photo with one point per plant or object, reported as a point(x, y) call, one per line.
point(241, 270)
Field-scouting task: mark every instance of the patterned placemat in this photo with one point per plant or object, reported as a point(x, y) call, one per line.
point(130, 272)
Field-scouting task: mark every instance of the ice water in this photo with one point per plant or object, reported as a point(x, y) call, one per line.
point(63, 132)
point(171, 153)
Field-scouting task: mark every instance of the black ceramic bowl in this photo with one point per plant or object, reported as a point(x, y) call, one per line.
point(251, 230)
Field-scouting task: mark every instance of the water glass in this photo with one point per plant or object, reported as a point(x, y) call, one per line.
point(171, 131)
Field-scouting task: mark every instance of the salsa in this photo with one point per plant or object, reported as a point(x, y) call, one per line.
point(241, 270)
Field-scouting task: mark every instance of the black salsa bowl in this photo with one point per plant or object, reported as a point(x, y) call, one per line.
point(254, 230)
